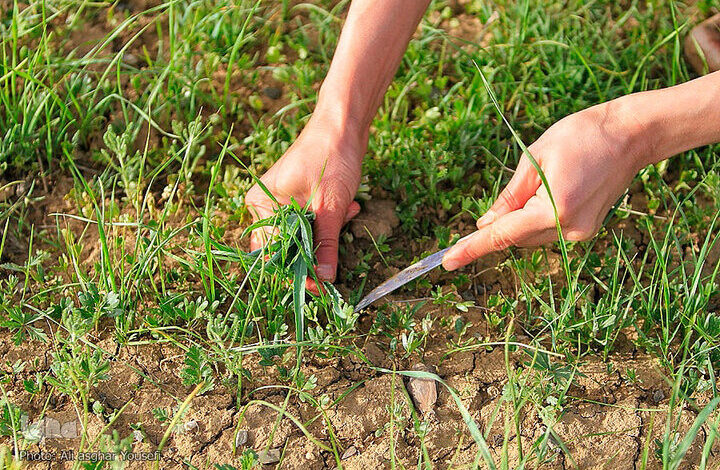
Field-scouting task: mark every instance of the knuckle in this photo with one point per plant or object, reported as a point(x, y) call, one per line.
point(580, 234)
point(500, 238)
point(327, 243)
point(566, 210)
point(563, 210)
point(509, 198)
point(468, 252)
point(255, 197)
point(333, 198)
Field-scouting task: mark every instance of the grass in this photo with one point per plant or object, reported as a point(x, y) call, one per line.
point(129, 139)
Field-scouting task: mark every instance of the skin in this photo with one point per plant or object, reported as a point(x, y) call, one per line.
point(589, 158)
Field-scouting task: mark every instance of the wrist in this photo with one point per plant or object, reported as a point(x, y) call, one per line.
point(336, 111)
point(663, 123)
point(638, 130)
point(340, 132)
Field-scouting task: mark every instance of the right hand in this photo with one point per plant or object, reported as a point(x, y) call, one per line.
point(323, 163)
point(589, 159)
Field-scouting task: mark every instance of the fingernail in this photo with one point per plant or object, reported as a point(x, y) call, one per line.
point(488, 218)
point(450, 264)
point(325, 272)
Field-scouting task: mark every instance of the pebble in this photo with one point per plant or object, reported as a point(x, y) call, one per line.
point(349, 452)
point(131, 59)
point(266, 457)
point(423, 391)
point(191, 425)
point(658, 396)
point(241, 438)
point(6, 192)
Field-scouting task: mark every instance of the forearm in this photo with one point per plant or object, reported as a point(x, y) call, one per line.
point(372, 43)
point(676, 119)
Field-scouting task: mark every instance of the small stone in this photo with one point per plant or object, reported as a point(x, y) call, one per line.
point(553, 444)
point(131, 59)
point(241, 438)
point(423, 391)
point(272, 92)
point(6, 192)
point(349, 452)
point(267, 457)
point(191, 425)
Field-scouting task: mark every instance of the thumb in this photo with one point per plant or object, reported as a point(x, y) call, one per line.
point(521, 227)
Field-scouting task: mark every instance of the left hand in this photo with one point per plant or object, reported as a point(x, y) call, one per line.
point(589, 159)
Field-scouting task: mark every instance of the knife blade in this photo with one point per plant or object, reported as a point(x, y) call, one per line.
point(413, 271)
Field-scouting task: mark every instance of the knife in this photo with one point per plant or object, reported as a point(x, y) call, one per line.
point(403, 277)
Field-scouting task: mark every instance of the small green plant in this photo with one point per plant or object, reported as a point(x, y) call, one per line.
point(22, 323)
point(197, 369)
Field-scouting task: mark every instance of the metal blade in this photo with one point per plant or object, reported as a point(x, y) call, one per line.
point(403, 277)
point(406, 275)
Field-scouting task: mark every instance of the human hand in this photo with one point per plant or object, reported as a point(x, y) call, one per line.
point(588, 158)
point(324, 164)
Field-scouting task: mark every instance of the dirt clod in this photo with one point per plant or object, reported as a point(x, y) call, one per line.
point(423, 391)
point(378, 218)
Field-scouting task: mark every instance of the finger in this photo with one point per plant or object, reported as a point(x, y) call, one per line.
point(260, 207)
point(311, 286)
point(522, 186)
point(353, 210)
point(327, 231)
point(261, 236)
point(514, 228)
